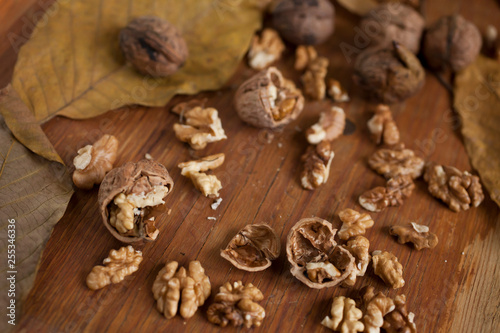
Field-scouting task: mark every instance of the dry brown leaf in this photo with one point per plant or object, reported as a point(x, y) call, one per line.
point(34, 192)
point(72, 65)
point(477, 101)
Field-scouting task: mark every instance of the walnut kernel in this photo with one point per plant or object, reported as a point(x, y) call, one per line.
point(336, 91)
point(208, 185)
point(345, 316)
point(359, 248)
point(417, 234)
point(330, 126)
point(353, 223)
point(390, 162)
point(265, 50)
point(399, 320)
point(317, 160)
point(388, 268)
point(376, 307)
point(396, 190)
point(382, 127)
point(313, 79)
point(304, 54)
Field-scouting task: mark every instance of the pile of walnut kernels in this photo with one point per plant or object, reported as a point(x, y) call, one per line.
point(128, 193)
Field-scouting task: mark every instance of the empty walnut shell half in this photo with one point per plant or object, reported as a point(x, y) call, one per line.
point(316, 259)
point(127, 194)
point(268, 100)
point(253, 248)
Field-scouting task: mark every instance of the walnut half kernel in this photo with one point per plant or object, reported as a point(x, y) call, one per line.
point(317, 161)
point(208, 185)
point(390, 162)
point(415, 233)
point(388, 268)
point(330, 126)
point(345, 316)
point(395, 191)
point(382, 127)
point(266, 49)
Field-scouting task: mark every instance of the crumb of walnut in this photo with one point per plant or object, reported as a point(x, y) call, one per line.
point(399, 319)
point(313, 79)
point(117, 266)
point(266, 49)
point(304, 54)
point(94, 161)
point(317, 161)
point(382, 127)
point(391, 162)
point(345, 316)
point(376, 307)
point(353, 223)
point(388, 268)
point(359, 248)
point(208, 185)
point(396, 190)
point(415, 233)
point(236, 304)
point(336, 91)
point(330, 126)
point(459, 190)
point(180, 289)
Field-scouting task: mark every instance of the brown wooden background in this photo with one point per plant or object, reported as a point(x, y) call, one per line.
point(452, 288)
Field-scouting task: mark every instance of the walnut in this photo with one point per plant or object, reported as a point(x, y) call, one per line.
point(396, 190)
point(345, 316)
point(304, 21)
point(180, 289)
point(183, 107)
point(387, 23)
point(236, 304)
point(304, 54)
point(382, 127)
point(253, 248)
point(376, 307)
point(359, 248)
point(353, 223)
point(330, 126)
point(459, 190)
point(451, 43)
point(417, 234)
point(126, 196)
point(153, 46)
point(400, 320)
point(492, 42)
point(336, 91)
point(313, 79)
point(268, 100)
point(201, 126)
point(388, 268)
point(388, 74)
point(317, 161)
point(117, 266)
point(390, 162)
point(316, 259)
point(208, 185)
point(93, 161)
point(265, 50)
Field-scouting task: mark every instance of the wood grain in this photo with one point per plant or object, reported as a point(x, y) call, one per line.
point(452, 288)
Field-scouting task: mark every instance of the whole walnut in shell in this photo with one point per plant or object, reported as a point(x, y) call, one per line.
point(451, 43)
point(268, 100)
point(126, 196)
point(388, 74)
point(308, 22)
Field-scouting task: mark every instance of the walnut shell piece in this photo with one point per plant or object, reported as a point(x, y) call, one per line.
point(126, 195)
point(268, 100)
point(382, 127)
point(345, 316)
point(415, 233)
point(388, 268)
point(153, 46)
point(265, 50)
point(315, 258)
point(208, 185)
point(393, 194)
point(317, 161)
point(253, 248)
point(94, 161)
point(330, 126)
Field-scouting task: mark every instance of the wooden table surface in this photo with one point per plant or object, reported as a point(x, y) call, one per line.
point(453, 288)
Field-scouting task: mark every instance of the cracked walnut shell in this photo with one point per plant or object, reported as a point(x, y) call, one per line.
point(265, 50)
point(388, 268)
point(126, 196)
point(391, 162)
point(253, 248)
point(415, 233)
point(353, 223)
point(117, 266)
point(345, 316)
point(236, 304)
point(317, 161)
point(208, 185)
point(395, 191)
point(268, 100)
point(359, 248)
point(180, 289)
point(330, 126)
point(376, 307)
point(315, 258)
point(94, 161)
point(382, 127)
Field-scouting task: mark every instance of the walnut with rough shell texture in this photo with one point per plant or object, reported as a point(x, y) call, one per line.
point(317, 161)
point(208, 185)
point(335, 90)
point(400, 320)
point(253, 248)
point(180, 289)
point(345, 316)
point(330, 126)
point(353, 223)
point(376, 307)
point(236, 304)
point(313, 79)
point(390, 162)
point(359, 247)
point(266, 49)
point(94, 161)
point(415, 233)
point(396, 190)
point(117, 266)
point(304, 54)
point(315, 258)
point(459, 190)
point(382, 127)
point(388, 268)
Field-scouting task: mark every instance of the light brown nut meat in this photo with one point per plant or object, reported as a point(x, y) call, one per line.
point(459, 190)
point(388, 268)
point(208, 185)
point(182, 107)
point(359, 247)
point(353, 223)
point(336, 91)
point(266, 49)
point(396, 190)
point(127, 194)
point(313, 79)
point(330, 126)
point(317, 161)
point(117, 266)
point(390, 162)
point(315, 258)
point(345, 316)
point(180, 289)
point(268, 100)
point(94, 161)
point(417, 234)
point(253, 248)
point(236, 304)
point(376, 307)
point(400, 320)
point(304, 54)
point(382, 127)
